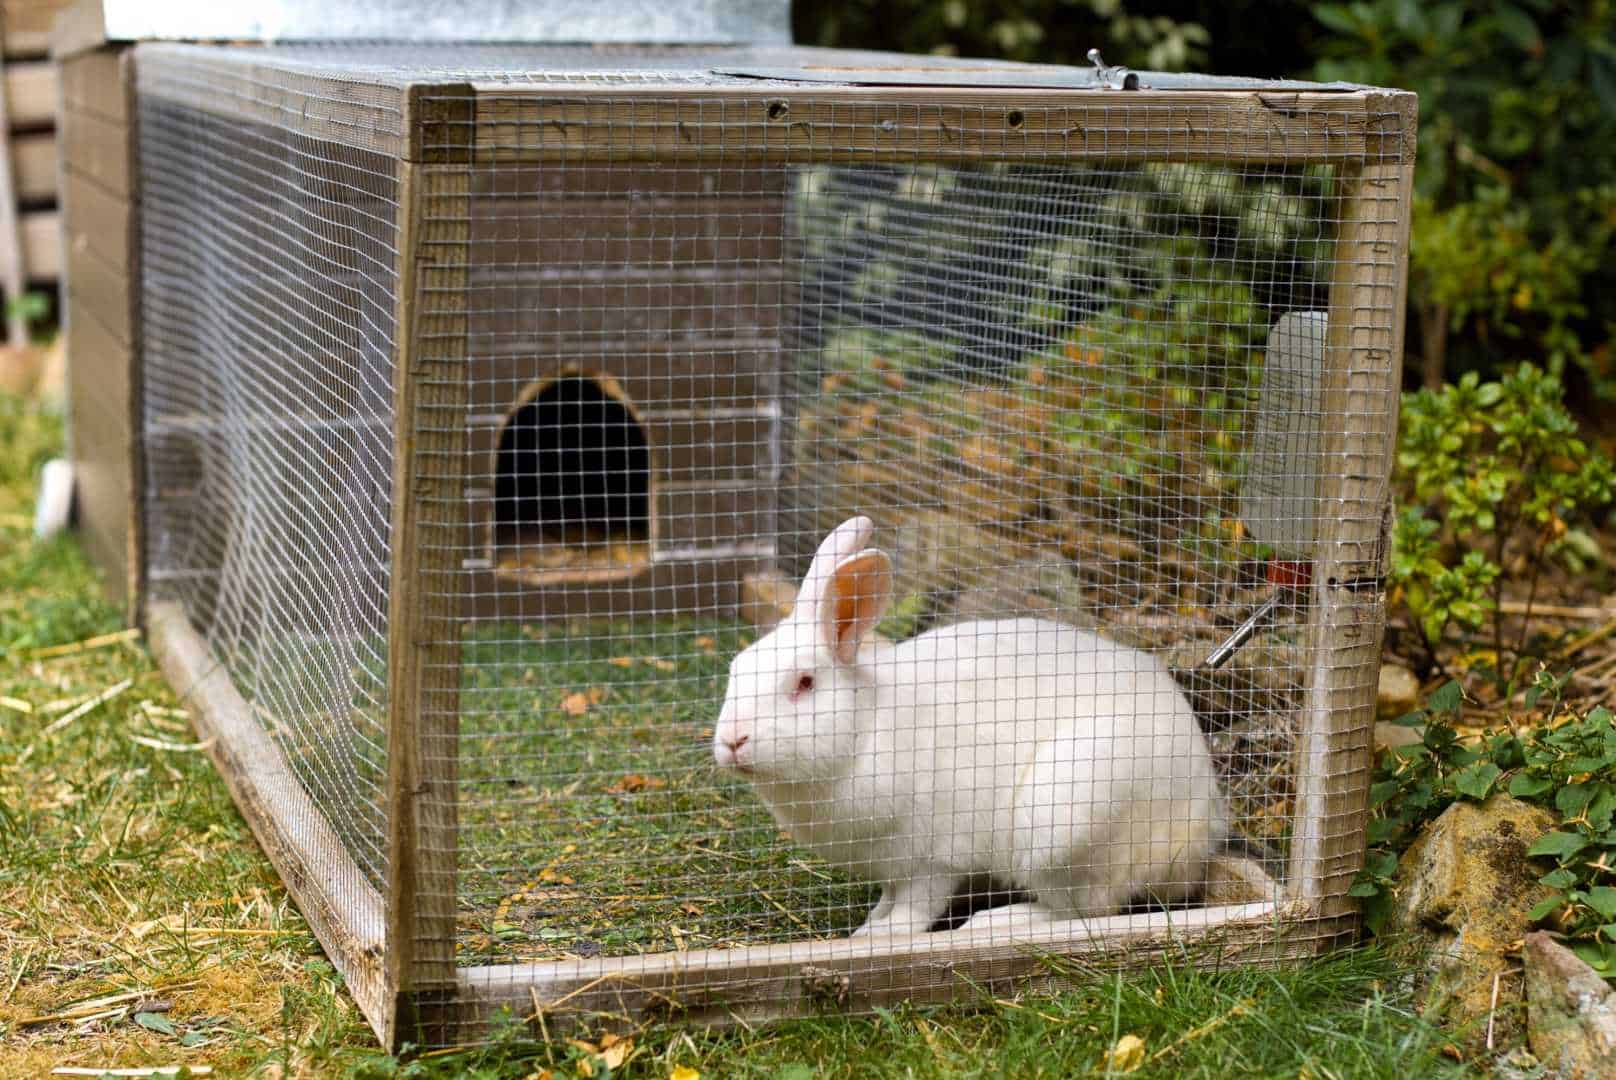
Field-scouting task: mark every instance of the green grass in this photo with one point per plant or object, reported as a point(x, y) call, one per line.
point(607, 830)
point(1336, 1017)
point(124, 869)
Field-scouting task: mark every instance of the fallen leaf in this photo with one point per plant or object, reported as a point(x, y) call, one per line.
point(155, 1022)
point(579, 702)
point(632, 782)
point(616, 1053)
point(662, 665)
point(684, 1072)
point(706, 644)
point(1126, 1056)
point(621, 661)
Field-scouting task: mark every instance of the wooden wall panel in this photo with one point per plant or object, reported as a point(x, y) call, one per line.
point(101, 309)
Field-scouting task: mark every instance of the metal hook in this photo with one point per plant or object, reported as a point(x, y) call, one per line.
point(1112, 78)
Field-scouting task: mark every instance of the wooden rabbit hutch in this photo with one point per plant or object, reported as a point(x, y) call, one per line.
point(475, 381)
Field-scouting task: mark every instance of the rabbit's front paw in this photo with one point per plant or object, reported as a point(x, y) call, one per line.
point(1010, 918)
point(909, 908)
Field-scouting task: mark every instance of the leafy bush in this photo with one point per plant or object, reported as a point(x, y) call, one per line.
point(1497, 468)
point(1566, 764)
point(1513, 231)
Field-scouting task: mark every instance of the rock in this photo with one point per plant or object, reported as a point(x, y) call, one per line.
point(1464, 888)
point(1391, 736)
point(1399, 692)
point(1570, 1012)
point(766, 598)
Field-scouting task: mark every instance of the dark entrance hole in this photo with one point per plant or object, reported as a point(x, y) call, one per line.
point(572, 493)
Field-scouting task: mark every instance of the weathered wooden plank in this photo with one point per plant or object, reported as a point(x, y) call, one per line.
point(102, 482)
point(864, 123)
point(98, 149)
point(705, 375)
point(42, 244)
point(96, 286)
point(31, 93)
point(727, 987)
point(1363, 372)
point(428, 527)
point(683, 516)
point(588, 181)
point(362, 113)
point(96, 83)
point(698, 580)
point(106, 384)
point(667, 232)
point(341, 906)
point(27, 25)
point(684, 450)
point(99, 219)
point(33, 166)
point(531, 303)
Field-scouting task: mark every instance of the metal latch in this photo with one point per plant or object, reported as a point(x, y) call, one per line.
point(1113, 78)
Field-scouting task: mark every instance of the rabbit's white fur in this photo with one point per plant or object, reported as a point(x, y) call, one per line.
point(1053, 759)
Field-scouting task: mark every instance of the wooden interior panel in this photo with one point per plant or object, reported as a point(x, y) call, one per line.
point(33, 166)
point(98, 149)
point(42, 244)
point(31, 93)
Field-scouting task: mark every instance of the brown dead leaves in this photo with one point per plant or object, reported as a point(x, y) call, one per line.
point(634, 782)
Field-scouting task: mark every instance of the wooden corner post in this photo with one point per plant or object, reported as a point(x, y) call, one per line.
point(429, 530)
point(1362, 380)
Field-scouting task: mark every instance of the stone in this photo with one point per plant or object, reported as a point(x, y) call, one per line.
point(1570, 1012)
point(1391, 736)
point(766, 598)
point(1463, 893)
point(1399, 692)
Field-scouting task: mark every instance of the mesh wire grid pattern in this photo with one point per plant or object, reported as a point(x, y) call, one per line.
point(268, 280)
point(660, 350)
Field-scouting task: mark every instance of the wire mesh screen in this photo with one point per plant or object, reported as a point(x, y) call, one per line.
point(268, 300)
point(836, 538)
point(848, 542)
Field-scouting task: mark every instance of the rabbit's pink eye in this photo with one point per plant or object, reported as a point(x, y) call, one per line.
point(805, 683)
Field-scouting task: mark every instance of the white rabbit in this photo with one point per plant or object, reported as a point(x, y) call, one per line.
point(1051, 759)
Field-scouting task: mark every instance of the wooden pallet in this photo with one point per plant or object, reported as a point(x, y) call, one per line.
point(30, 224)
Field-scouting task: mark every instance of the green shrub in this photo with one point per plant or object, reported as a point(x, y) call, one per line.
point(1488, 470)
point(1514, 226)
point(1566, 764)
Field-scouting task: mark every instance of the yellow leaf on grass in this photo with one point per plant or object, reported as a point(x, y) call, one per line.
point(615, 1054)
point(684, 1072)
point(580, 701)
point(1126, 1056)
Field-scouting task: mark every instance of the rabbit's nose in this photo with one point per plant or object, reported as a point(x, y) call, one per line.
point(737, 742)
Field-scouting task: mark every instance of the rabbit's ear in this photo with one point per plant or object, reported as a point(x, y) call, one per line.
point(857, 595)
point(844, 541)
